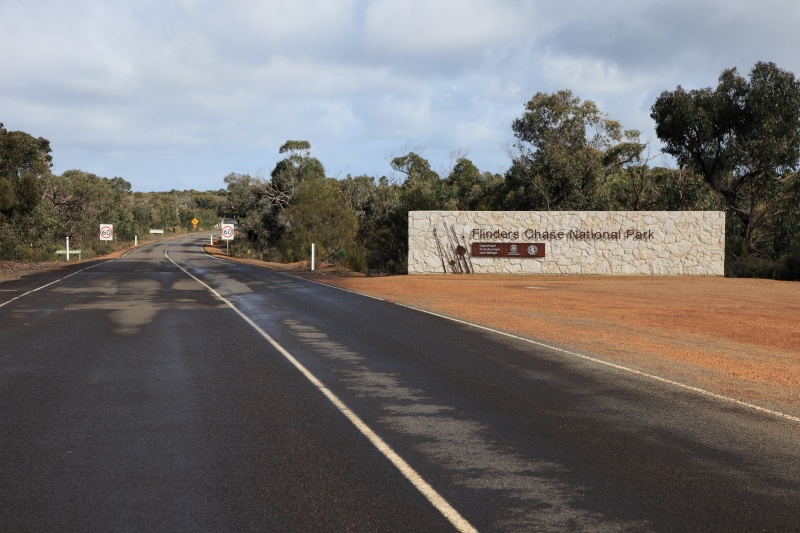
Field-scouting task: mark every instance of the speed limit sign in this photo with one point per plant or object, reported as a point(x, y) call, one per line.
point(227, 232)
point(106, 232)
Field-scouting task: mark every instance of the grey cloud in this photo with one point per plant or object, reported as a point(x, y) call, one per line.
point(183, 92)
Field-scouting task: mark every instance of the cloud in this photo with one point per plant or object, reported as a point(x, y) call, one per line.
point(184, 91)
point(424, 29)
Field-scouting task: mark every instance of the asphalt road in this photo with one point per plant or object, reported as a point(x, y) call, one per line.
point(171, 391)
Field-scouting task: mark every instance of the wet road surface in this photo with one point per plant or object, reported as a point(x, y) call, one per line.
point(171, 391)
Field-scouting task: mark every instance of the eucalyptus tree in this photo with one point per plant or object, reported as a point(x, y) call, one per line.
point(26, 224)
point(360, 194)
point(296, 167)
point(24, 162)
point(260, 203)
point(743, 138)
point(422, 189)
point(319, 215)
point(557, 161)
point(470, 189)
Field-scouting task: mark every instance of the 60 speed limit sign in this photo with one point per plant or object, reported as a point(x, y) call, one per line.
point(227, 232)
point(106, 232)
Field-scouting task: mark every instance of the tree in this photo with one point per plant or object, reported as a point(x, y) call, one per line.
point(360, 195)
point(470, 189)
point(422, 189)
point(26, 225)
point(291, 171)
point(24, 162)
point(84, 200)
point(632, 184)
point(319, 215)
point(558, 163)
point(240, 193)
point(260, 204)
point(6, 194)
point(743, 138)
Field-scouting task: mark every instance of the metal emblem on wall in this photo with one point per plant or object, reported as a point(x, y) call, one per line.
point(452, 251)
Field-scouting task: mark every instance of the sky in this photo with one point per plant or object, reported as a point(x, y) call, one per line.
point(178, 94)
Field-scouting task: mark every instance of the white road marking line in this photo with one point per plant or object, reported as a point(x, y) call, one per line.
point(68, 276)
point(51, 283)
point(447, 510)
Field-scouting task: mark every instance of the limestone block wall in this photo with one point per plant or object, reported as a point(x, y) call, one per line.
point(662, 243)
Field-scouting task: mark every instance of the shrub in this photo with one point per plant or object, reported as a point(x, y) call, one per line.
point(357, 258)
point(749, 267)
point(788, 268)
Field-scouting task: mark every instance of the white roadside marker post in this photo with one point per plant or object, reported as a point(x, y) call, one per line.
point(68, 249)
point(312, 257)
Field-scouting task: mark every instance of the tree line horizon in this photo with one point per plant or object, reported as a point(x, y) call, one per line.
point(736, 145)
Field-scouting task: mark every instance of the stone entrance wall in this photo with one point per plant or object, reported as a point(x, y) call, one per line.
point(664, 243)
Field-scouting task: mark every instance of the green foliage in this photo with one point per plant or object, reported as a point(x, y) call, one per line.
point(471, 190)
point(24, 162)
point(241, 194)
point(259, 204)
point(748, 267)
point(381, 222)
point(788, 268)
point(643, 188)
point(318, 216)
point(290, 172)
point(559, 154)
point(422, 189)
point(30, 236)
point(630, 183)
point(360, 194)
point(356, 258)
point(6, 194)
point(743, 138)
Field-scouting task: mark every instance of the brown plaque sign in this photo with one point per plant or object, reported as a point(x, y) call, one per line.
point(507, 249)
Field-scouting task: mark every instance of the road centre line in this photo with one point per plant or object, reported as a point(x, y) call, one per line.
point(447, 510)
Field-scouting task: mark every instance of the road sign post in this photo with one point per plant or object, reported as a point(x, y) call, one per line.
point(106, 232)
point(227, 235)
